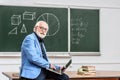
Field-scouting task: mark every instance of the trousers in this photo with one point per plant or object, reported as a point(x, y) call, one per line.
point(45, 74)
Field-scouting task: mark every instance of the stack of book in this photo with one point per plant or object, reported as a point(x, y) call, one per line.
point(88, 69)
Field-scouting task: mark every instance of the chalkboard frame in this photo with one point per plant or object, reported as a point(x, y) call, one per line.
point(85, 53)
point(18, 21)
point(17, 54)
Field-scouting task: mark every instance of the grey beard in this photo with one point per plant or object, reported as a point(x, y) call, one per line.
point(41, 35)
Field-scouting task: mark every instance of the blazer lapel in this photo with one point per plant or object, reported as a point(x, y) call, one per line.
point(37, 42)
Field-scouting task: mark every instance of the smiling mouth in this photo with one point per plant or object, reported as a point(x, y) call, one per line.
point(42, 33)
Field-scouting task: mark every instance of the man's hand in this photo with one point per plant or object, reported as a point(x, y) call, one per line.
point(63, 68)
point(52, 66)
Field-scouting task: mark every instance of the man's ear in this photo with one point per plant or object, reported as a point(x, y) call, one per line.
point(35, 28)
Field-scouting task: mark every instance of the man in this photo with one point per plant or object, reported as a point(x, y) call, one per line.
point(34, 58)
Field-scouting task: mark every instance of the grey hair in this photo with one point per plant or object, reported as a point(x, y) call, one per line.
point(37, 24)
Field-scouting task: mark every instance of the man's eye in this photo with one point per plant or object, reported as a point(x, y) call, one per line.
point(41, 27)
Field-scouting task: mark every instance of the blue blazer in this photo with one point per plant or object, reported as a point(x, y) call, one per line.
point(32, 59)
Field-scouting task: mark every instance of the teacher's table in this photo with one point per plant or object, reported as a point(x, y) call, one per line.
point(99, 75)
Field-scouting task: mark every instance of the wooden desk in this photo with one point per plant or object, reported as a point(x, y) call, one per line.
point(100, 75)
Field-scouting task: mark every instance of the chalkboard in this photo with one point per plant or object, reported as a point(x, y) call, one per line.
point(84, 30)
point(18, 21)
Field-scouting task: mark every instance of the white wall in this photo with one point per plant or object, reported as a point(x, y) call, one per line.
point(109, 35)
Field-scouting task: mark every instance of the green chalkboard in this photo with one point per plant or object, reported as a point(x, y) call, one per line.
point(18, 21)
point(84, 30)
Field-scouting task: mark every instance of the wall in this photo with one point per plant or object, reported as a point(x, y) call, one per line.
point(109, 35)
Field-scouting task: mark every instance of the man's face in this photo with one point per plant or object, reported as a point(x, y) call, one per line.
point(42, 29)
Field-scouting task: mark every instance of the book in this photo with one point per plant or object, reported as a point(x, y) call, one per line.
point(60, 71)
point(87, 68)
point(89, 73)
point(92, 67)
point(92, 71)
